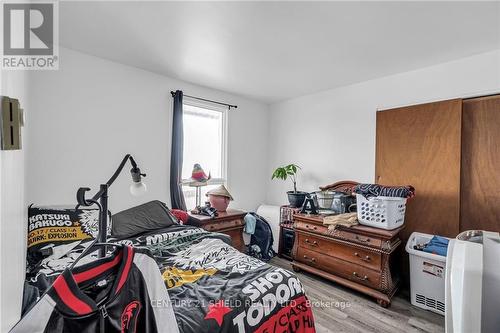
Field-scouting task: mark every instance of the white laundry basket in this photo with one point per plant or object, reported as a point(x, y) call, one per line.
point(381, 212)
point(427, 275)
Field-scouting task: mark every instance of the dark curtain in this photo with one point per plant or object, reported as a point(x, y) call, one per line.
point(176, 195)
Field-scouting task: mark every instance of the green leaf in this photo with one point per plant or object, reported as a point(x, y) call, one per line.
point(285, 171)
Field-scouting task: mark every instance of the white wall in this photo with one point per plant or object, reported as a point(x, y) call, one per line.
point(13, 212)
point(331, 134)
point(87, 115)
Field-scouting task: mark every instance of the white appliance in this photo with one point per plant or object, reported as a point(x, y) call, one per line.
point(472, 291)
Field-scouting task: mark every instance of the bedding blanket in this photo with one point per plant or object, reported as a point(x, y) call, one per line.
point(212, 286)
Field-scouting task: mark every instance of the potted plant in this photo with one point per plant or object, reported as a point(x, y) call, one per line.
point(295, 198)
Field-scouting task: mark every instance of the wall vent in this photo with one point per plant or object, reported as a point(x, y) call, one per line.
point(430, 303)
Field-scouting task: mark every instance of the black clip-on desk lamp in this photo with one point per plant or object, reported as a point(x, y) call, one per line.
point(137, 188)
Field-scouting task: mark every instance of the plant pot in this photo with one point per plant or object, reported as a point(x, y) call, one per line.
point(296, 199)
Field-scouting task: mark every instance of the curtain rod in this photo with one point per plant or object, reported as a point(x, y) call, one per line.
point(207, 100)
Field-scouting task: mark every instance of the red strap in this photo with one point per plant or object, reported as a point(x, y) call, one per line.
point(69, 299)
point(95, 271)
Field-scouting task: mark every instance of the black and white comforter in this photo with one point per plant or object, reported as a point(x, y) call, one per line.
point(213, 287)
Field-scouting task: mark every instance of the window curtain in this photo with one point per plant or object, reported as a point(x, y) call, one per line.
point(176, 195)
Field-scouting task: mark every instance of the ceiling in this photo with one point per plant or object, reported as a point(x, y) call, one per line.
point(271, 51)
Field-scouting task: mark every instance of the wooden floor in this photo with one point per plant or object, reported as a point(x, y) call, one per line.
point(350, 311)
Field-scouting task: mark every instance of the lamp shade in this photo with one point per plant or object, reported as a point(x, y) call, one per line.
point(138, 188)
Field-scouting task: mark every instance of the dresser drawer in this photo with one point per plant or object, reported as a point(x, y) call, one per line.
point(345, 252)
point(222, 225)
point(359, 239)
point(311, 227)
point(339, 267)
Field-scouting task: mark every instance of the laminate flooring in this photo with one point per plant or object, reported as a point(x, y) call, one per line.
point(340, 309)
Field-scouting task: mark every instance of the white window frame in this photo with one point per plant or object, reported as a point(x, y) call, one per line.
point(223, 110)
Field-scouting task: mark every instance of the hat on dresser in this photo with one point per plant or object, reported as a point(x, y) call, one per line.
point(221, 191)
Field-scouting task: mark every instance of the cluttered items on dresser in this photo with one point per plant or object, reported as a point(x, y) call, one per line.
point(331, 199)
point(218, 201)
point(328, 203)
point(349, 203)
point(382, 206)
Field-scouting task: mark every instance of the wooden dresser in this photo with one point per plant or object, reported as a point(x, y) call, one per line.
point(230, 223)
point(359, 257)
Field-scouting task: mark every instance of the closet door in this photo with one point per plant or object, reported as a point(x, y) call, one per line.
point(480, 202)
point(420, 145)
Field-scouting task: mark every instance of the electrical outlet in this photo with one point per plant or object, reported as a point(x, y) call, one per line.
point(11, 122)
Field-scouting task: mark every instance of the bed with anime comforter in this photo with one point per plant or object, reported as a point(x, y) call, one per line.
point(212, 286)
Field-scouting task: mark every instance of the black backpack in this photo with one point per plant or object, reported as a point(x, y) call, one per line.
point(261, 242)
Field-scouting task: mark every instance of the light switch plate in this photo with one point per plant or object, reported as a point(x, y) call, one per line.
point(11, 123)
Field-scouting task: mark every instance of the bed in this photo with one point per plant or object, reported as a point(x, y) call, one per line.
point(213, 287)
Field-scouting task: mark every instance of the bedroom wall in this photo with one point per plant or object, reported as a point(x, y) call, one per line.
point(331, 134)
point(91, 112)
point(13, 212)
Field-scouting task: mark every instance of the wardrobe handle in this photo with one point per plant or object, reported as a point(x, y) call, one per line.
point(357, 276)
point(313, 243)
point(366, 258)
point(309, 259)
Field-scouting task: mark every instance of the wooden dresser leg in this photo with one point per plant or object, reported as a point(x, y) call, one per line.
point(383, 303)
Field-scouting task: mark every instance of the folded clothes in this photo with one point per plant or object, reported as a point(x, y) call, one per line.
point(375, 190)
point(437, 245)
point(345, 220)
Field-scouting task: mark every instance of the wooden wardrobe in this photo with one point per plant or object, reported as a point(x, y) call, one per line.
point(450, 152)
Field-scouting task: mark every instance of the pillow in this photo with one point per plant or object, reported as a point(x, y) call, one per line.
point(150, 216)
point(52, 226)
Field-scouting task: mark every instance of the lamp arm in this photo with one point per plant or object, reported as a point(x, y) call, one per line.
point(120, 168)
point(115, 175)
point(136, 172)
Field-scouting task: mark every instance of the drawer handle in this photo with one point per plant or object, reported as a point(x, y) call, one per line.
point(366, 258)
point(308, 227)
point(309, 259)
point(357, 276)
point(364, 240)
point(314, 243)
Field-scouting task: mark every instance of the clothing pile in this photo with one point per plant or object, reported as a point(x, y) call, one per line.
point(437, 245)
point(345, 220)
point(375, 190)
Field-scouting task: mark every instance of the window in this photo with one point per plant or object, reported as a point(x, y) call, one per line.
point(205, 144)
